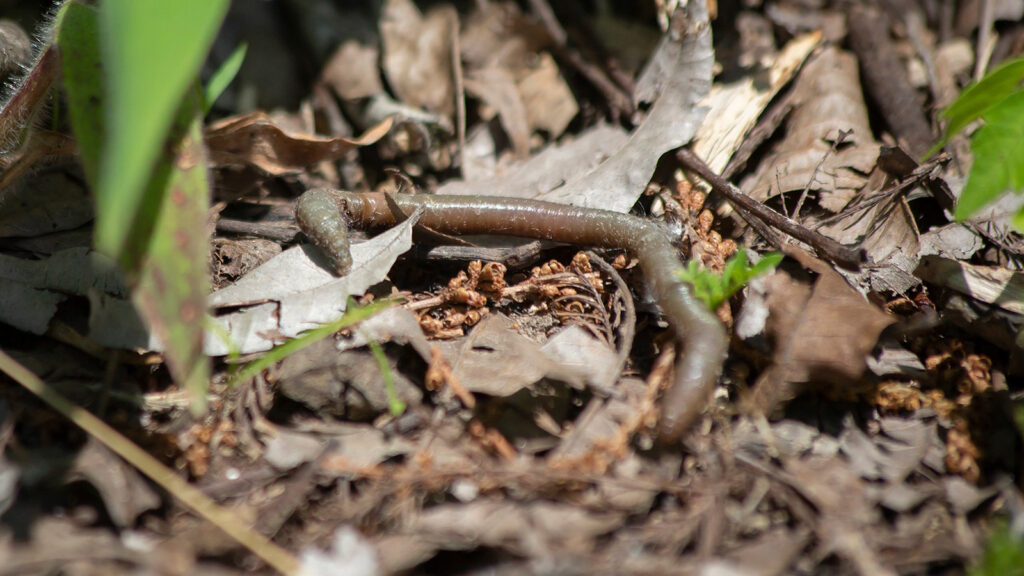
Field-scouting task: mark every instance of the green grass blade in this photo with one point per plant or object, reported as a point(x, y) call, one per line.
point(353, 315)
point(395, 404)
point(222, 78)
point(166, 478)
point(152, 50)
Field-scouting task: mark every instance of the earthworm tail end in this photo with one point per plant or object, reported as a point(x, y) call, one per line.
point(704, 340)
point(320, 214)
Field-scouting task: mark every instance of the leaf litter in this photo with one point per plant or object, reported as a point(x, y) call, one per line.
point(862, 424)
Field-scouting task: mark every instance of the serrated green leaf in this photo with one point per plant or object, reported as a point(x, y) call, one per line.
point(222, 78)
point(83, 82)
point(980, 97)
point(998, 149)
point(173, 283)
point(152, 50)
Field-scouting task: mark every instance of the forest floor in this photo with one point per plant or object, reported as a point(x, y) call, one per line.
point(507, 415)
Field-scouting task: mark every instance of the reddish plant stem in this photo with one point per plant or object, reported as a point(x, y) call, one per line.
point(324, 216)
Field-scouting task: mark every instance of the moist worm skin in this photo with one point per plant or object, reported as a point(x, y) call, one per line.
point(324, 216)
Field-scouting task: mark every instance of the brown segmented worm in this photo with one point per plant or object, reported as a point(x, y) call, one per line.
point(325, 215)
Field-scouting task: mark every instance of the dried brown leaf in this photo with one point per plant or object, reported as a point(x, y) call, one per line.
point(255, 140)
point(822, 333)
point(417, 55)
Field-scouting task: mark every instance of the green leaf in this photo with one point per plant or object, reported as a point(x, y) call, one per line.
point(223, 77)
point(979, 98)
point(714, 289)
point(998, 149)
point(83, 82)
point(152, 50)
point(173, 281)
point(1004, 554)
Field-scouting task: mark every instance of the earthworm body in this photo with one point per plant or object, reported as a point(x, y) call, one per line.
point(324, 215)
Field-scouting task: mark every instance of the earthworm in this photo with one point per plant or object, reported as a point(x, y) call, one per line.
point(324, 215)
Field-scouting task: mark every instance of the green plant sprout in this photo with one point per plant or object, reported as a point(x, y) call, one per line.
point(1004, 554)
point(998, 146)
point(715, 289)
point(395, 404)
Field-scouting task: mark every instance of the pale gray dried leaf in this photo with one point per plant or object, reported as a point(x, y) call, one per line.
point(827, 99)
point(892, 456)
point(417, 54)
point(578, 350)
point(44, 204)
point(496, 360)
point(548, 169)
point(287, 449)
point(993, 285)
point(352, 71)
point(74, 271)
point(770, 554)
point(125, 493)
point(295, 291)
point(26, 308)
point(895, 360)
point(963, 496)
point(953, 241)
point(550, 104)
point(600, 422)
point(900, 496)
point(677, 79)
point(786, 437)
point(348, 384)
point(497, 87)
point(355, 446)
point(534, 529)
point(395, 324)
point(350, 554)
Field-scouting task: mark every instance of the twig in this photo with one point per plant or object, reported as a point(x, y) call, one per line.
point(751, 210)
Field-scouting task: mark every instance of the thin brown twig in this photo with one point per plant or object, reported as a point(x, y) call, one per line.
point(848, 257)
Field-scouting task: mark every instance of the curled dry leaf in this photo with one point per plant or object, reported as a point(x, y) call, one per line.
point(255, 140)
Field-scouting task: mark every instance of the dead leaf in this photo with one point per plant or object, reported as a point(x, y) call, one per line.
point(534, 529)
point(496, 360)
point(417, 55)
point(827, 99)
point(255, 140)
point(295, 291)
point(993, 285)
point(822, 334)
point(125, 493)
point(352, 71)
point(497, 87)
point(348, 384)
point(735, 107)
point(548, 169)
point(676, 79)
point(47, 203)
